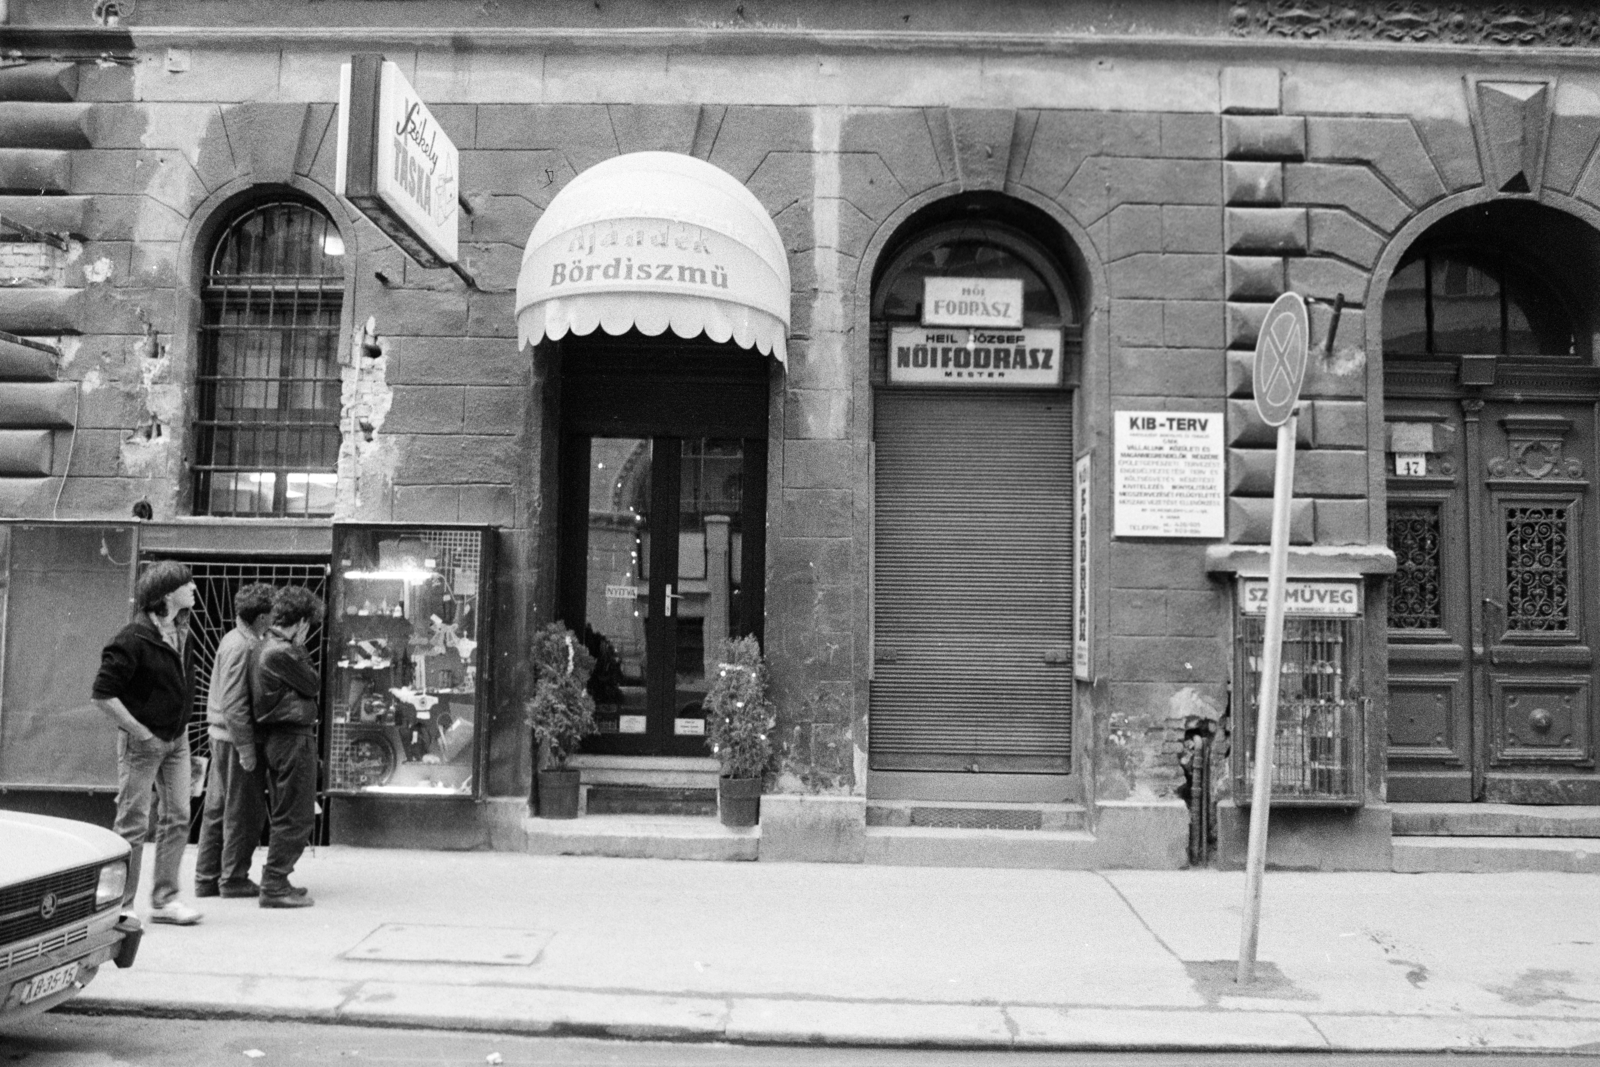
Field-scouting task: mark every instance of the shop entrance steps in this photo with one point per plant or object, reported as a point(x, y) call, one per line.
point(1495, 820)
point(976, 815)
point(647, 785)
point(660, 772)
point(648, 800)
point(664, 837)
point(1496, 838)
point(924, 833)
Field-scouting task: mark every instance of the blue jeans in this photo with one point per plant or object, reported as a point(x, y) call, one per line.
point(158, 769)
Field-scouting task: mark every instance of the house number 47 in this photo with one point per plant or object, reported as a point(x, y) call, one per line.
point(1411, 464)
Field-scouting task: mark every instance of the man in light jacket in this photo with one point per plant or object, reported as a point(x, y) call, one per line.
point(236, 801)
point(284, 688)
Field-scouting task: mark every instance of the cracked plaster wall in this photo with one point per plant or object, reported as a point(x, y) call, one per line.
point(367, 458)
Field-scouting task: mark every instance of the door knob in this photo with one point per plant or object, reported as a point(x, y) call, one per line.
point(667, 599)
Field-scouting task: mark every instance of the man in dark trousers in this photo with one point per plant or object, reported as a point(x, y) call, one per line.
point(145, 686)
point(284, 688)
point(236, 806)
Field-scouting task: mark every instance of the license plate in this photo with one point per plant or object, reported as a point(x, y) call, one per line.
point(42, 985)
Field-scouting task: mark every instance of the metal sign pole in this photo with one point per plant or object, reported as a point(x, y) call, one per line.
point(1276, 376)
point(1267, 717)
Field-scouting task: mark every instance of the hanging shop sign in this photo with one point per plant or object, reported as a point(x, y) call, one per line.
point(1312, 598)
point(993, 302)
point(1082, 660)
point(394, 163)
point(1015, 358)
point(1169, 474)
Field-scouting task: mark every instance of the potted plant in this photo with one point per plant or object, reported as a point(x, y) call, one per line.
point(739, 723)
point(561, 712)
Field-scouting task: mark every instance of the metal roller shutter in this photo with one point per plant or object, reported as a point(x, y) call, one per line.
point(972, 583)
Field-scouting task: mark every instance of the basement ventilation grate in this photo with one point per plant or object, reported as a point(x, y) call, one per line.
point(977, 818)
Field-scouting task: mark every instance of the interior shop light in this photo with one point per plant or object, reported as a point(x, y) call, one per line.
point(414, 575)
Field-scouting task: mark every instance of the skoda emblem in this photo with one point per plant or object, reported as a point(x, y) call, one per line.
point(47, 906)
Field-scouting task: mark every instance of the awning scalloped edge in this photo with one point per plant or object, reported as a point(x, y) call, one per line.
point(652, 314)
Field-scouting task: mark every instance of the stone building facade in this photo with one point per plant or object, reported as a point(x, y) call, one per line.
point(1163, 174)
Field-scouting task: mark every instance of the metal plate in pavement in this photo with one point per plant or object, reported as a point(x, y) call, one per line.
point(419, 943)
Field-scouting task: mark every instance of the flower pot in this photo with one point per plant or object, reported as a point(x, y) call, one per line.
point(558, 794)
point(739, 801)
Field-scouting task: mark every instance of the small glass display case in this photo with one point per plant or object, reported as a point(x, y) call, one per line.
point(1319, 750)
point(406, 642)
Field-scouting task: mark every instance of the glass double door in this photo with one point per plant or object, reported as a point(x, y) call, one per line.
point(657, 572)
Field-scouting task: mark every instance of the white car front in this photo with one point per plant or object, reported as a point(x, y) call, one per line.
point(61, 915)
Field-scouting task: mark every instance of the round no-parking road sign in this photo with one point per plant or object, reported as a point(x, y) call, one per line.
point(1280, 365)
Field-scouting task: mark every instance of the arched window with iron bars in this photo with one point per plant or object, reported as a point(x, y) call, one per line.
point(267, 432)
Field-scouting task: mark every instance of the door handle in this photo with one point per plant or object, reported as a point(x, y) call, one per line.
point(1490, 635)
point(667, 599)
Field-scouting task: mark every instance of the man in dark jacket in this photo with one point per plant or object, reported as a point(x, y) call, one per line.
point(236, 803)
point(145, 686)
point(284, 687)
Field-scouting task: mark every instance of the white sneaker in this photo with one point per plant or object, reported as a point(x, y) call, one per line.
point(175, 912)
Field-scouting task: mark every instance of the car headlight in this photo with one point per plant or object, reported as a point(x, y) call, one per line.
point(113, 880)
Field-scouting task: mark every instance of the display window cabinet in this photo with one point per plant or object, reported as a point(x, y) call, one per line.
point(407, 686)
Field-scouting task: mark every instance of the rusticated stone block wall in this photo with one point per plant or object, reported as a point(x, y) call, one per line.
point(1195, 190)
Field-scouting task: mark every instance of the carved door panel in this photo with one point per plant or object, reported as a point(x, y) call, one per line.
point(1491, 610)
point(1538, 574)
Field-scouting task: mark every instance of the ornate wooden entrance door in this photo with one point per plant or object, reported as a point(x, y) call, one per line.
point(1492, 611)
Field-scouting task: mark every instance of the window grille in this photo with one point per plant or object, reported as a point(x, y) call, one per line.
point(267, 436)
point(1416, 594)
point(216, 580)
point(1319, 749)
point(1538, 571)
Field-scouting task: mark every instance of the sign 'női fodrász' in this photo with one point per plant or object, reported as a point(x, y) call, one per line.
point(1017, 358)
point(991, 302)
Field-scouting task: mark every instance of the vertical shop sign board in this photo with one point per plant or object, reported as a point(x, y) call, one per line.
point(1082, 660)
point(394, 163)
point(1279, 370)
point(1169, 474)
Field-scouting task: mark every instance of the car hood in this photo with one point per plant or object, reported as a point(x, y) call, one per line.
point(32, 846)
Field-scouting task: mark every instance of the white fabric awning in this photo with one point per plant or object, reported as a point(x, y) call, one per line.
point(652, 240)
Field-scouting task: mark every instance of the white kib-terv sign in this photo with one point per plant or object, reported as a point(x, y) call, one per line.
point(920, 355)
point(1169, 476)
point(394, 162)
point(972, 302)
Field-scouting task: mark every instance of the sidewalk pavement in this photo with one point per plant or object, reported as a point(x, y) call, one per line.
point(862, 955)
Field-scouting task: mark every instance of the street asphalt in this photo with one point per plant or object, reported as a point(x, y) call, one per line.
point(892, 956)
